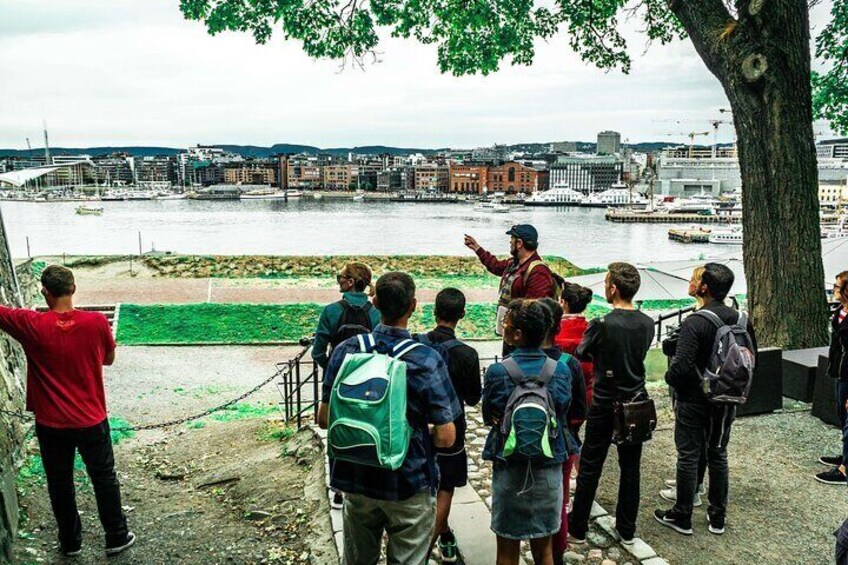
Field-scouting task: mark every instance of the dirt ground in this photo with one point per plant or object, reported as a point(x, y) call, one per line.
point(231, 492)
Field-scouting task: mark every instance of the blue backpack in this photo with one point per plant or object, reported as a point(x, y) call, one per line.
point(529, 424)
point(442, 348)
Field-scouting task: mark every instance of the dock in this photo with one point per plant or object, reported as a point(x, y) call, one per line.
point(625, 217)
point(692, 235)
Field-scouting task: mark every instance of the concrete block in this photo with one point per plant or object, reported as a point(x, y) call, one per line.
point(336, 520)
point(640, 550)
point(597, 511)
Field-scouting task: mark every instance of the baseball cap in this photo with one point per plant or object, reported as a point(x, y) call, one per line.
point(524, 232)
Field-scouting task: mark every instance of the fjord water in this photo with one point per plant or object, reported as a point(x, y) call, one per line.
point(326, 227)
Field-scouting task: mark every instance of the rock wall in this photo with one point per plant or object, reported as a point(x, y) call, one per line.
point(12, 367)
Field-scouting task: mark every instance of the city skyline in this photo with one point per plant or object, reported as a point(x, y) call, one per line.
point(92, 72)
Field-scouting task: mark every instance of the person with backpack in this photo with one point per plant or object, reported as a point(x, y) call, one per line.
point(381, 396)
point(575, 417)
point(711, 374)
point(617, 345)
point(837, 369)
point(344, 318)
point(464, 370)
point(523, 275)
point(525, 398)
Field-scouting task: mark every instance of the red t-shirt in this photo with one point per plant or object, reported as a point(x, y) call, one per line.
point(65, 354)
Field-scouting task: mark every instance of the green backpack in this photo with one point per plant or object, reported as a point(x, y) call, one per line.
point(529, 425)
point(368, 424)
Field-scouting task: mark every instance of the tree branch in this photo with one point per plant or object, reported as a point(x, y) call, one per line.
point(705, 21)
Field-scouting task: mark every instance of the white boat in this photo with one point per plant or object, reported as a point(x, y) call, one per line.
point(704, 205)
point(613, 197)
point(317, 196)
point(493, 206)
point(294, 193)
point(87, 210)
point(359, 198)
point(263, 195)
point(172, 197)
point(835, 232)
point(726, 237)
point(559, 195)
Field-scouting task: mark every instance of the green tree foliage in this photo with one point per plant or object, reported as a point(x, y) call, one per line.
point(830, 88)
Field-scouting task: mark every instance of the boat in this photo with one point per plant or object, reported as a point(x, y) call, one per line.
point(317, 196)
point(493, 206)
point(294, 193)
point(613, 198)
point(726, 237)
point(703, 205)
point(835, 232)
point(87, 210)
point(264, 195)
point(359, 198)
point(172, 196)
point(559, 195)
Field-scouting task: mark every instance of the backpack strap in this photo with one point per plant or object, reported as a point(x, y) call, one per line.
point(366, 343)
point(742, 322)
point(513, 370)
point(711, 316)
point(530, 267)
point(451, 343)
point(548, 370)
point(423, 339)
point(403, 347)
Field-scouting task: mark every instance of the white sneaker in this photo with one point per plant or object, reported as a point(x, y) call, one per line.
point(671, 483)
point(670, 494)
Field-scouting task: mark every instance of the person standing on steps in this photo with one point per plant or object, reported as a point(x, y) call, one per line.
point(523, 275)
point(464, 369)
point(837, 367)
point(617, 344)
point(66, 350)
point(698, 422)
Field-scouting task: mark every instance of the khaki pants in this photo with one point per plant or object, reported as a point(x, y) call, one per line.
point(409, 524)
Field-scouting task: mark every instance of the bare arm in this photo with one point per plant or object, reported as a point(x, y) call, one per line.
point(444, 436)
point(109, 358)
point(323, 415)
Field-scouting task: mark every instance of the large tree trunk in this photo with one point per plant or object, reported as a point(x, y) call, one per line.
point(762, 60)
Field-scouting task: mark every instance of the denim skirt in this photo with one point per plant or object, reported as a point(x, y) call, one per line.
point(526, 500)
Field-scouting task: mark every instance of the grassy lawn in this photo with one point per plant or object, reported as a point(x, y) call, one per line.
point(264, 323)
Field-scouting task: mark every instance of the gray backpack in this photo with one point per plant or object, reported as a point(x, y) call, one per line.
point(730, 370)
point(529, 424)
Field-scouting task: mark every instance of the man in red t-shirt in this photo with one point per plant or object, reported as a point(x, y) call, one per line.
point(66, 350)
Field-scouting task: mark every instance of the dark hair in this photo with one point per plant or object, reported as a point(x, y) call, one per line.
point(530, 245)
point(395, 292)
point(718, 278)
point(555, 309)
point(58, 280)
point(577, 297)
point(450, 305)
point(533, 319)
point(626, 279)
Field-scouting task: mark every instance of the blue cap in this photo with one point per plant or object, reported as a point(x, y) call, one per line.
point(524, 232)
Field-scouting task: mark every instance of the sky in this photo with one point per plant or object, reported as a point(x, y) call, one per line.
point(130, 72)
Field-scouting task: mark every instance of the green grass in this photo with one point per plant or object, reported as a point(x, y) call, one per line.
point(268, 323)
point(656, 365)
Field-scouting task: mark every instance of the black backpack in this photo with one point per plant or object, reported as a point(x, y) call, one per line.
point(730, 372)
point(355, 320)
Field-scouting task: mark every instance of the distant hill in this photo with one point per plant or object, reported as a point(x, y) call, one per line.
point(256, 151)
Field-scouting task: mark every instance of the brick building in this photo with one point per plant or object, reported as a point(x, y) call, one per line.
point(338, 177)
point(251, 172)
point(468, 179)
point(513, 178)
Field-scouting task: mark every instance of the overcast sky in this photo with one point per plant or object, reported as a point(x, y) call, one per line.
point(134, 72)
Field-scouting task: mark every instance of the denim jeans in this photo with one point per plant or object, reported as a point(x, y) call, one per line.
point(58, 450)
point(700, 426)
point(599, 427)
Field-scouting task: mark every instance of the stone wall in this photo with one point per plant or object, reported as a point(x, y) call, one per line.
point(12, 367)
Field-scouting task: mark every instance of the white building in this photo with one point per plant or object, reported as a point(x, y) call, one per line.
point(679, 174)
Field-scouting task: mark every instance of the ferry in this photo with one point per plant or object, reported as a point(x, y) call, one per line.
point(726, 237)
point(86, 210)
point(615, 197)
point(559, 195)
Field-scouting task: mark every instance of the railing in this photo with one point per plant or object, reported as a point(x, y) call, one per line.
point(302, 373)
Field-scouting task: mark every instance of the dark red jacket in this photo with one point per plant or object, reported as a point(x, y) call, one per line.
point(539, 282)
point(570, 334)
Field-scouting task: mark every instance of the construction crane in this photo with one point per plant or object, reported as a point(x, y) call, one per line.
point(29, 145)
point(692, 135)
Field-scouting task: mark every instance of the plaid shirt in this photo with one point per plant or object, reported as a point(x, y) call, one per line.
point(430, 399)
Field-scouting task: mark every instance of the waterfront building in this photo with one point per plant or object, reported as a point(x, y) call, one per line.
point(834, 193)
point(47, 177)
point(586, 173)
point(513, 177)
point(468, 178)
point(115, 169)
point(158, 172)
point(396, 179)
point(684, 171)
point(206, 173)
point(431, 177)
point(833, 149)
point(609, 143)
point(252, 171)
point(338, 177)
point(303, 172)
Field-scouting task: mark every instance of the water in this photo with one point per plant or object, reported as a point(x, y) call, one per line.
point(311, 227)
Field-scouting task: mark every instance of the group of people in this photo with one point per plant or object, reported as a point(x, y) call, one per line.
point(560, 371)
point(575, 369)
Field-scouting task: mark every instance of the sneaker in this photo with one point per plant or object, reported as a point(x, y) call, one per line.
point(71, 552)
point(715, 525)
point(448, 550)
point(625, 540)
point(831, 461)
point(670, 494)
point(672, 483)
point(832, 477)
point(678, 523)
point(116, 549)
point(574, 540)
point(338, 501)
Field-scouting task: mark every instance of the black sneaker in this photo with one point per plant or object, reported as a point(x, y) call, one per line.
point(715, 525)
point(831, 461)
point(448, 548)
point(832, 477)
point(116, 549)
point(678, 523)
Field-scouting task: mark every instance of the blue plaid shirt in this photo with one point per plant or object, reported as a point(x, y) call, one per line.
point(498, 386)
point(430, 399)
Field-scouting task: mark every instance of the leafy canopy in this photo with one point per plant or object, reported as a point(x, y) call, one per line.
point(474, 36)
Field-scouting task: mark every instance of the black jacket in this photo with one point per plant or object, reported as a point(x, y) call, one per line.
point(694, 349)
point(837, 365)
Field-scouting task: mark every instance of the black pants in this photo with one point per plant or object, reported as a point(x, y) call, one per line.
point(58, 449)
point(599, 425)
point(700, 426)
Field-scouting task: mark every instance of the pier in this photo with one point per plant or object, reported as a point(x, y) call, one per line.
point(626, 217)
point(694, 235)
